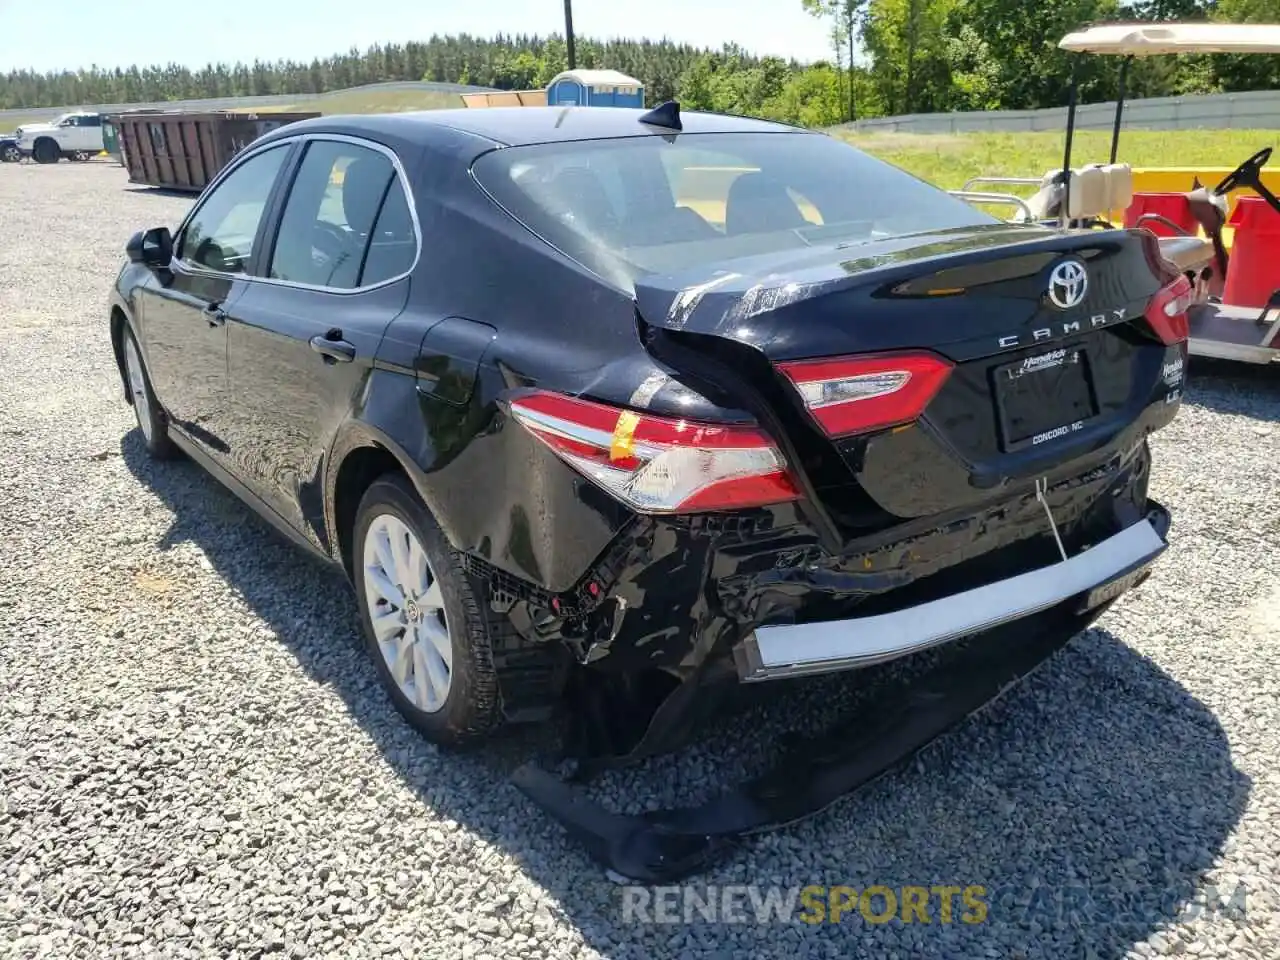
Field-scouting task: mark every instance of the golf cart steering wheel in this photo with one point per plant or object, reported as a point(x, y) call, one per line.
point(1249, 174)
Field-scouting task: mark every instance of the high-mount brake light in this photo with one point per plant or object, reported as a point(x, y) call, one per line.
point(1167, 311)
point(849, 395)
point(658, 464)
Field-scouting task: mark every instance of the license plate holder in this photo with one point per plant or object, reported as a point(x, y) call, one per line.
point(1116, 586)
point(1044, 397)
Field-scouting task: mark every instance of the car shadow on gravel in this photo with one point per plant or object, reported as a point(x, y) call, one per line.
point(1086, 804)
point(1243, 389)
point(169, 193)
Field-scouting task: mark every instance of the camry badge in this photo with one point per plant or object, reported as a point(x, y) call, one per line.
point(1067, 284)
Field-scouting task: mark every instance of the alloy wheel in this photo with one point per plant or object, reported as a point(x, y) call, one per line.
point(138, 387)
point(406, 609)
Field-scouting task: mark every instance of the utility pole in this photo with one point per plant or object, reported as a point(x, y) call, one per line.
point(913, 34)
point(850, 11)
point(568, 33)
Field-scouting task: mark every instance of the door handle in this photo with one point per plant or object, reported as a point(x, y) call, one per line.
point(214, 313)
point(339, 351)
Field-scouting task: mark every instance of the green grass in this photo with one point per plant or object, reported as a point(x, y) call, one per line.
point(9, 124)
point(949, 160)
point(372, 101)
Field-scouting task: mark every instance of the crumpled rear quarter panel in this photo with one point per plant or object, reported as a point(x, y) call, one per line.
point(675, 592)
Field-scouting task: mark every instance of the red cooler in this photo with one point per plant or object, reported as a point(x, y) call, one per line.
point(1253, 272)
point(1172, 206)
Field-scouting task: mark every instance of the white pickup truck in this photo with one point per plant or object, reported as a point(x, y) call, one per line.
point(75, 136)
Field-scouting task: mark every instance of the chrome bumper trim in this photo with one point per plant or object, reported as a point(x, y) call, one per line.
point(789, 650)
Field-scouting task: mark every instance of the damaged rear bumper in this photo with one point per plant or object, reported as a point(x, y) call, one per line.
point(664, 846)
point(673, 593)
point(1094, 576)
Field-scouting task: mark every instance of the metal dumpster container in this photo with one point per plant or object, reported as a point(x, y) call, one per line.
point(506, 98)
point(184, 151)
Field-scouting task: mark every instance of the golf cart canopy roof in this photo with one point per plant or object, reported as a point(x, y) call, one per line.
point(1151, 39)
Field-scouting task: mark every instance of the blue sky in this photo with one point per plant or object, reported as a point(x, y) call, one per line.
point(56, 34)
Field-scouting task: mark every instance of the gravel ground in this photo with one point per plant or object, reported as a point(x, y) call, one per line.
point(197, 761)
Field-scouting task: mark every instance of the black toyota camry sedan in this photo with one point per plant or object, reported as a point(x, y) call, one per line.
point(597, 407)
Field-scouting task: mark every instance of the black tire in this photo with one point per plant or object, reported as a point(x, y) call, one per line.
point(472, 709)
point(151, 419)
point(10, 154)
point(79, 156)
point(46, 151)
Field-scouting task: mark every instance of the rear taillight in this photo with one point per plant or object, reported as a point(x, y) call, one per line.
point(657, 464)
point(1167, 311)
point(849, 395)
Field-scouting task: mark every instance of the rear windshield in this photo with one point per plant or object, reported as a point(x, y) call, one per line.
point(662, 205)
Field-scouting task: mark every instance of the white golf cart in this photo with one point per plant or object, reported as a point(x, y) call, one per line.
point(1229, 248)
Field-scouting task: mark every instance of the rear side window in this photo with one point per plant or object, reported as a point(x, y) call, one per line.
point(656, 205)
point(345, 222)
point(393, 244)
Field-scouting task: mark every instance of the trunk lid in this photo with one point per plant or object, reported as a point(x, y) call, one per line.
point(957, 289)
point(1035, 385)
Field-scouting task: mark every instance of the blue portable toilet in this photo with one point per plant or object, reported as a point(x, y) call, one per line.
point(595, 88)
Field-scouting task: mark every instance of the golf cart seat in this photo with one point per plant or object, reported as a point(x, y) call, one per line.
point(1186, 253)
point(1088, 195)
point(1119, 185)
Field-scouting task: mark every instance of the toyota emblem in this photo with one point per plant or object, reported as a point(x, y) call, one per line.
point(1067, 284)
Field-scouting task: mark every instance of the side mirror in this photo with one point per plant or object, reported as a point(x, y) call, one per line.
point(153, 247)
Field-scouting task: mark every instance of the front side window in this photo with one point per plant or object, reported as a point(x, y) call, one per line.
point(659, 205)
point(346, 222)
point(221, 234)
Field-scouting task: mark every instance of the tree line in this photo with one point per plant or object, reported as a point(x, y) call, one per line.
point(887, 57)
point(923, 56)
point(505, 62)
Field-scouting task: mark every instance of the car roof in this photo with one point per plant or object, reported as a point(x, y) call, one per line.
point(521, 126)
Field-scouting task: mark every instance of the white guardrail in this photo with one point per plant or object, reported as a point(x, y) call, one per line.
point(1256, 110)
